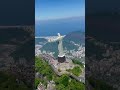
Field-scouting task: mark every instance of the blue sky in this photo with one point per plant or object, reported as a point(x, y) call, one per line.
point(56, 9)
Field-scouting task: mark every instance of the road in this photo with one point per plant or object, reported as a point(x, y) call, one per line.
point(80, 78)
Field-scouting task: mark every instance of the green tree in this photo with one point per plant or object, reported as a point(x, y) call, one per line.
point(37, 81)
point(60, 87)
point(76, 71)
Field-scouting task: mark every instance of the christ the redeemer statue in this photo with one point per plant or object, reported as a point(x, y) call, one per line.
point(61, 55)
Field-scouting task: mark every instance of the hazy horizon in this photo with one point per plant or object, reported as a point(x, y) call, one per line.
point(64, 16)
point(52, 9)
point(63, 26)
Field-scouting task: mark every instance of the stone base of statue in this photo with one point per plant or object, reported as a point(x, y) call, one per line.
point(61, 59)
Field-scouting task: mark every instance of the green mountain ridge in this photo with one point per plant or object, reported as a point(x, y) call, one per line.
point(77, 37)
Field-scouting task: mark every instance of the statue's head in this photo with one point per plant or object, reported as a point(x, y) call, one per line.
point(59, 34)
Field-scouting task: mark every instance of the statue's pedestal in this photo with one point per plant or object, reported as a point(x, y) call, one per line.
point(61, 59)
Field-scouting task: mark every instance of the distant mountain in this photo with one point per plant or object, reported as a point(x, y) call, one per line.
point(38, 40)
point(77, 36)
point(22, 41)
point(8, 34)
point(15, 34)
point(63, 26)
point(25, 51)
point(22, 37)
